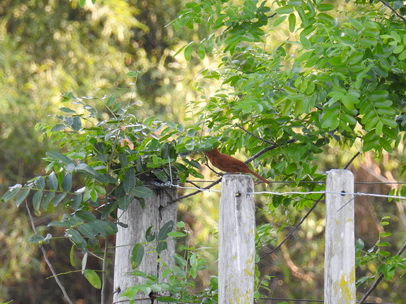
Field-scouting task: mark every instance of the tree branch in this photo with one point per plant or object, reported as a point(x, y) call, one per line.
point(44, 254)
point(271, 147)
point(254, 135)
point(379, 279)
point(307, 214)
point(197, 191)
point(393, 10)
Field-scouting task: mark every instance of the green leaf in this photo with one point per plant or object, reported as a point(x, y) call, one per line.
point(162, 245)
point(36, 200)
point(402, 55)
point(67, 110)
point(384, 253)
point(67, 96)
point(142, 192)
point(93, 278)
point(86, 215)
point(129, 180)
point(292, 22)
point(133, 74)
point(137, 254)
point(165, 229)
point(87, 230)
point(355, 58)
point(108, 227)
point(52, 181)
point(188, 50)
point(12, 191)
point(169, 300)
point(58, 127)
point(149, 235)
point(82, 167)
point(177, 234)
point(67, 182)
point(22, 196)
point(279, 20)
point(40, 182)
point(72, 256)
point(36, 238)
point(108, 209)
point(77, 123)
point(59, 157)
point(305, 42)
point(46, 200)
point(284, 10)
point(76, 238)
point(369, 145)
point(356, 24)
point(378, 128)
point(124, 201)
point(389, 122)
point(379, 95)
point(201, 51)
point(384, 234)
point(76, 201)
point(331, 120)
point(59, 198)
point(398, 49)
point(348, 101)
point(159, 173)
point(325, 7)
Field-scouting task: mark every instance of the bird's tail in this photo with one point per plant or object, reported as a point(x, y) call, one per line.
point(259, 176)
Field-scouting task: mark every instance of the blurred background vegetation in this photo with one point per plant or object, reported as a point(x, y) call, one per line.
point(51, 47)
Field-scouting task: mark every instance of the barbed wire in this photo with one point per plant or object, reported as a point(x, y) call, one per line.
point(310, 182)
point(171, 185)
point(307, 300)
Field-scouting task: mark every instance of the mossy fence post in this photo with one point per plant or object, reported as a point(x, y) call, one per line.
point(339, 264)
point(157, 212)
point(236, 240)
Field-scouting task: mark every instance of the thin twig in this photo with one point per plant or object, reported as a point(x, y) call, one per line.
point(294, 228)
point(307, 214)
point(351, 160)
point(393, 10)
point(44, 253)
point(197, 191)
point(378, 280)
point(104, 273)
point(269, 148)
point(254, 135)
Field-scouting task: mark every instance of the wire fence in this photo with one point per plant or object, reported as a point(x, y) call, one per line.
point(199, 189)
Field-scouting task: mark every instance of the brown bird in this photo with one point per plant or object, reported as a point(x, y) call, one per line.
point(230, 164)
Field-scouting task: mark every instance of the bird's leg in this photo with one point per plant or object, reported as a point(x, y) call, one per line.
point(214, 171)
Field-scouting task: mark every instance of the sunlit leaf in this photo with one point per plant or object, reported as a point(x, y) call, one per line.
point(137, 254)
point(142, 192)
point(165, 229)
point(93, 278)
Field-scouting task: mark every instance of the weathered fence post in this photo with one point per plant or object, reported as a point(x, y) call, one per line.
point(156, 213)
point(339, 264)
point(236, 240)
